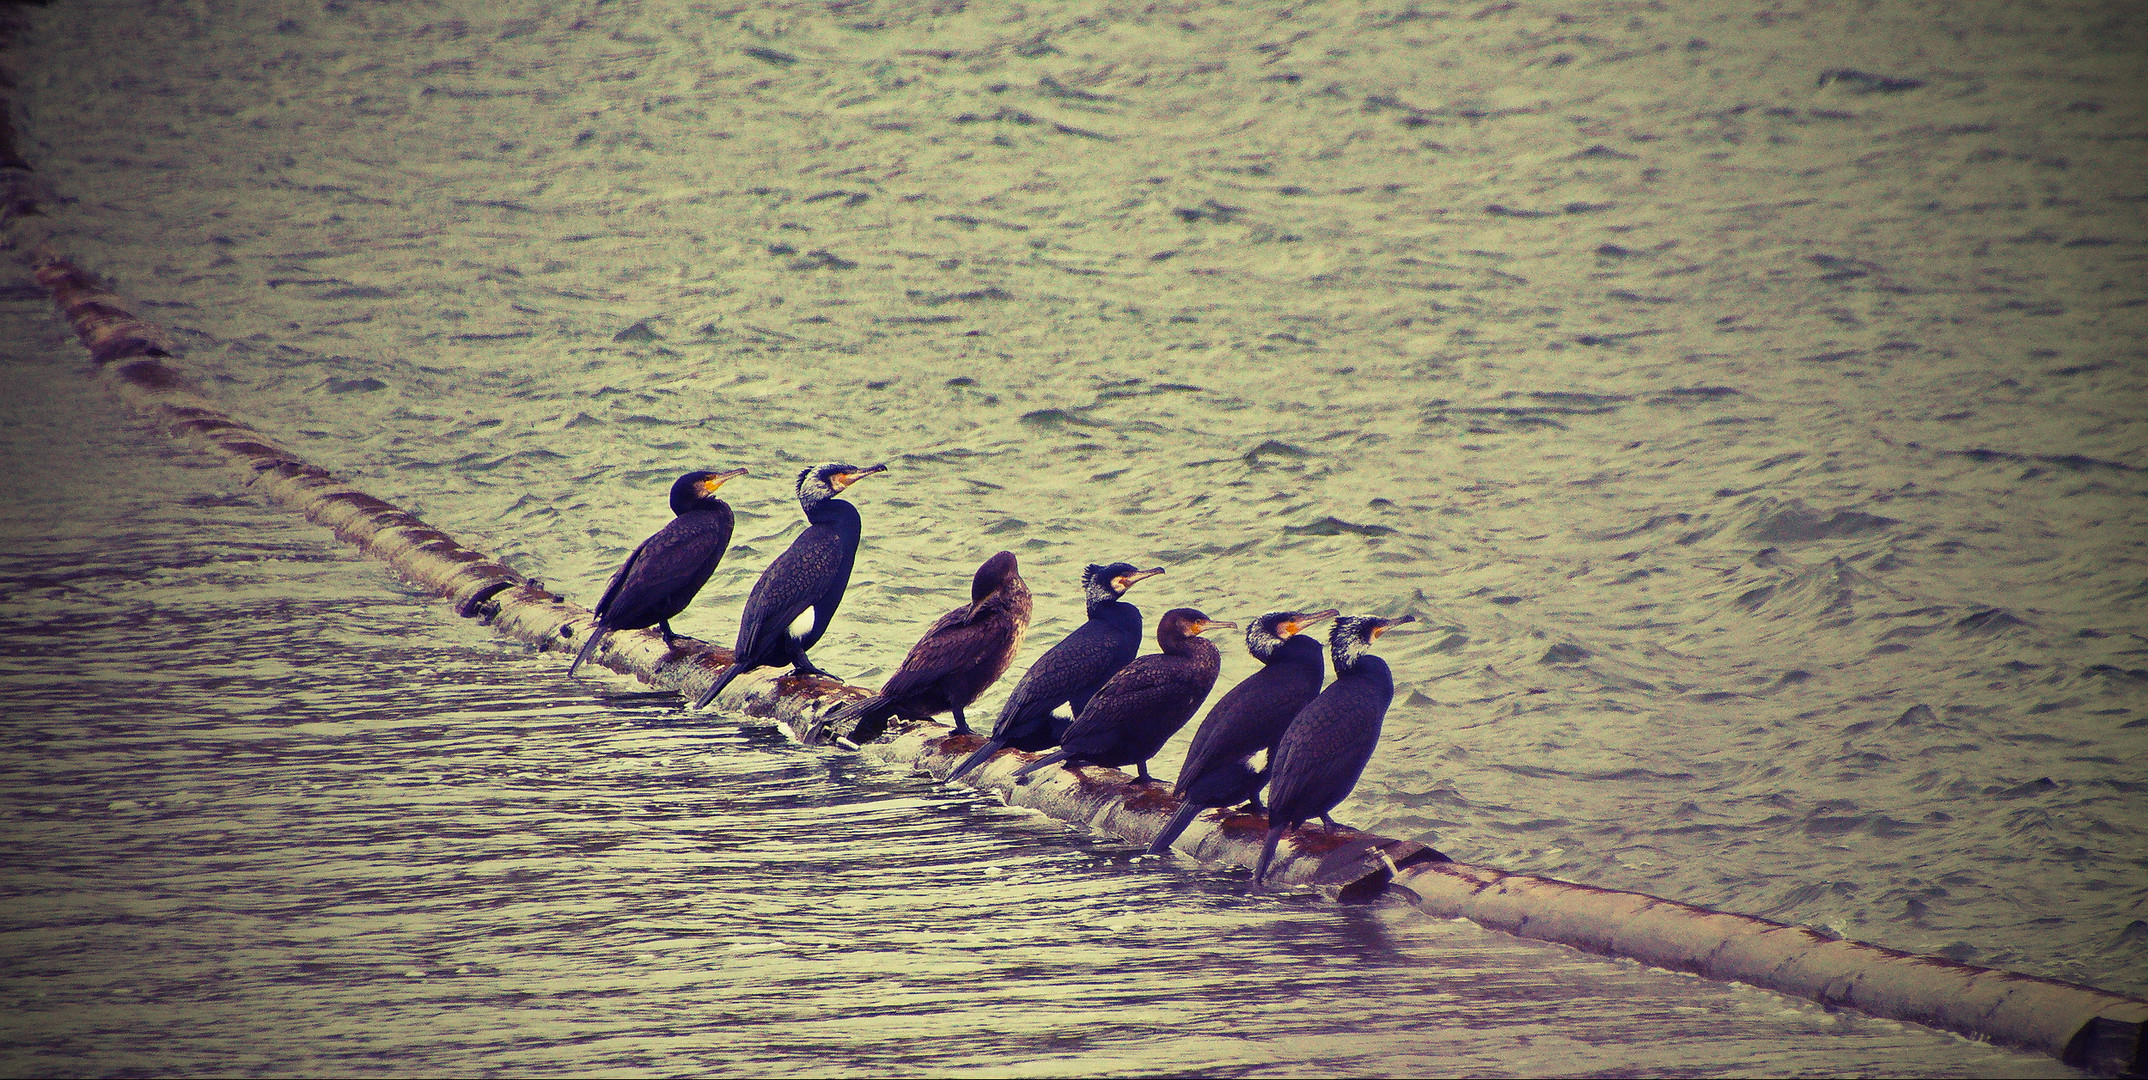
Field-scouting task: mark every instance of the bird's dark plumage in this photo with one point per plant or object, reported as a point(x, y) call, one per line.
point(963, 653)
point(1070, 672)
point(662, 575)
point(1249, 719)
point(810, 575)
point(1138, 710)
point(1326, 746)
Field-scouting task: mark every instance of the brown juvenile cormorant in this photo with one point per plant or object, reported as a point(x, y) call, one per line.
point(1249, 719)
point(1069, 673)
point(967, 650)
point(1138, 710)
point(1326, 746)
point(662, 575)
point(810, 575)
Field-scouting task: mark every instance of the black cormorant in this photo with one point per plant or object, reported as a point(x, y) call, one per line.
point(1069, 672)
point(662, 575)
point(1138, 710)
point(967, 650)
point(1249, 719)
point(810, 575)
point(1326, 746)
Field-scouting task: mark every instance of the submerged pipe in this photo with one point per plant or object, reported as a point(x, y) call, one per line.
point(2083, 1026)
point(2093, 1029)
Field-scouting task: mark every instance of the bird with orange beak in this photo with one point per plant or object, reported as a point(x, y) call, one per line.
point(1141, 707)
point(1249, 720)
point(1324, 750)
point(807, 579)
point(665, 571)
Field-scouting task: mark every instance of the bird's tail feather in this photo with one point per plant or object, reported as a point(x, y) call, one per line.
point(979, 757)
point(597, 635)
point(1053, 758)
point(867, 717)
point(1267, 852)
point(723, 680)
point(1186, 813)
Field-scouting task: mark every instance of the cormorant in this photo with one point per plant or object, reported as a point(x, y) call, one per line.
point(1138, 710)
point(810, 575)
point(661, 577)
point(1249, 719)
point(1070, 672)
point(1326, 746)
point(967, 650)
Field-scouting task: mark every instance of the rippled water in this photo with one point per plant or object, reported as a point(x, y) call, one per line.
point(1764, 450)
point(267, 814)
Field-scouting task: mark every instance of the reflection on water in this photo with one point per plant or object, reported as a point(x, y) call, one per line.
point(266, 814)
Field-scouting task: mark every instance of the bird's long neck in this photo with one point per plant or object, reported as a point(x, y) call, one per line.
point(836, 512)
point(1009, 596)
point(1368, 668)
point(1104, 601)
point(1195, 647)
point(1295, 651)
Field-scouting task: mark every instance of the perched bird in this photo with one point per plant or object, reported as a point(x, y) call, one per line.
point(810, 575)
point(1249, 719)
point(967, 650)
point(662, 575)
point(1069, 672)
point(1326, 746)
point(1138, 710)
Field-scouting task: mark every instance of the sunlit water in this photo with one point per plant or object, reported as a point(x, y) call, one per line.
point(1764, 453)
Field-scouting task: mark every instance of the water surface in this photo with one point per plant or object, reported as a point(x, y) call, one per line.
point(1761, 445)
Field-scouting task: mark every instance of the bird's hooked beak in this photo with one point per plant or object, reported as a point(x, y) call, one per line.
point(843, 480)
point(1298, 625)
point(1127, 581)
point(1206, 626)
point(709, 485)
point(1389, 624)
